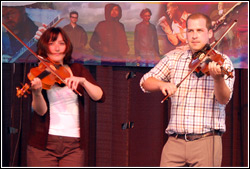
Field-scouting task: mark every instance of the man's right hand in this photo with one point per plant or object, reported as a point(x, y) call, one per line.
point(168, 88)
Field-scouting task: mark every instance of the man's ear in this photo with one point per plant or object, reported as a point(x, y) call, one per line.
point(210, 33)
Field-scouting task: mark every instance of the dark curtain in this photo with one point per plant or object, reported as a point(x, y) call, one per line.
point(126, 130)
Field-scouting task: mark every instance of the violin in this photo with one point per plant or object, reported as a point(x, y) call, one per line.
point(202, 67)
point(48, 79)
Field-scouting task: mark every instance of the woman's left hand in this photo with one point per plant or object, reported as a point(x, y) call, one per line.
point(73, 81)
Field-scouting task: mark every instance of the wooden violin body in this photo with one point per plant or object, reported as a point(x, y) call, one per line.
point(202, 67)
point(48, 79)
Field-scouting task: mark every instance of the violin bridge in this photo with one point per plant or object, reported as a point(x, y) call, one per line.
point(52, 67)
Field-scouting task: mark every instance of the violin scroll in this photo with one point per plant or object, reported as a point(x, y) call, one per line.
point(227, 72)
point(21, 92)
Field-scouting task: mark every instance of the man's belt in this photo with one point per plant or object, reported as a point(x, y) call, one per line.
point(192, 137)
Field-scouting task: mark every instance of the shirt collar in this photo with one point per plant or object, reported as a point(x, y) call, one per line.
point(188, 54)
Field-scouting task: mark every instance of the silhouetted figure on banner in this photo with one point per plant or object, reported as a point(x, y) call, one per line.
point(15, 18)
point(77, 35)
point(146, 40)
point(176, 34)
point(197, 119)
point(109, 37)
point(57, 134)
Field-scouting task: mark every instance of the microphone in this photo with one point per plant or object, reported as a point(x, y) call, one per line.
point(161, 20)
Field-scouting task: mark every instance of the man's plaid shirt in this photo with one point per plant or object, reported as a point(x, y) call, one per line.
point(193, 107)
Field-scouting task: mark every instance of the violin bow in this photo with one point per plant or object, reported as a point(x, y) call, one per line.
point(202, 56)
point(18, 54)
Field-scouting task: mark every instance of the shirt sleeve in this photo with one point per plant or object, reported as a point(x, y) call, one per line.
point(161, 72)
point(228, 65)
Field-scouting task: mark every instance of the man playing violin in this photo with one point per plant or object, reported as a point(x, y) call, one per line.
point(197, 119)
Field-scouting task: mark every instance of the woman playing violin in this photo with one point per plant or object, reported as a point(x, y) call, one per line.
point(197, 118)
point(57, 129)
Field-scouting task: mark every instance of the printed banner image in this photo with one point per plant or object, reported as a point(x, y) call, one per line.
point(122, 33)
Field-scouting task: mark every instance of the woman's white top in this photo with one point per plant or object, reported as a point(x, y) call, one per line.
point(64, 112)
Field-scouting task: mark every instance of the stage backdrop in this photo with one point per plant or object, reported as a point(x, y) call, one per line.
point(106, 44)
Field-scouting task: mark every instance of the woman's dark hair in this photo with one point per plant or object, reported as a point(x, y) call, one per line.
point(51, 34)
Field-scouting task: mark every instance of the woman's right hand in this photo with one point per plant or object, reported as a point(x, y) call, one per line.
point(36, 86)
point(38, 103)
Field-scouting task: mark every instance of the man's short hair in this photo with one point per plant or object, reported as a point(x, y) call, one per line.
point(73, 12)
point(200, 15)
